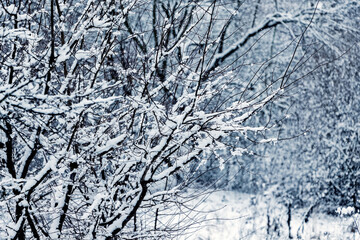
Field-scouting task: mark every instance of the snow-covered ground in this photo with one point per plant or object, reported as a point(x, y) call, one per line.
point(231, 215)
point(224, 215)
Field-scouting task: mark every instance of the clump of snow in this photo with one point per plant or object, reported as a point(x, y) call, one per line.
point(81, 54)
point(101, 23)
point(12, 9)
point(345, 211)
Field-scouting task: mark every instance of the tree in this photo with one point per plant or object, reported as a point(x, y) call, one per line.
point(104, 103)
point(321, 167)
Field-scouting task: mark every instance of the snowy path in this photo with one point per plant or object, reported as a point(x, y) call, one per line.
point(243, 216)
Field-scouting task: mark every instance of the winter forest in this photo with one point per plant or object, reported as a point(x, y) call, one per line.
point(179, 119)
